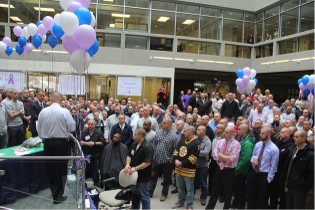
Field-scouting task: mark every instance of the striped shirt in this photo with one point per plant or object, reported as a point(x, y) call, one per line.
point(233, 151)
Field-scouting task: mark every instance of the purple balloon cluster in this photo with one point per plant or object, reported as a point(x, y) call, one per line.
point(246, 80)
point(306, 84)
point(5, 46)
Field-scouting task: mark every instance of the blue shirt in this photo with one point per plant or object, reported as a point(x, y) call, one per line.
point(270, 158)
point(213, 126)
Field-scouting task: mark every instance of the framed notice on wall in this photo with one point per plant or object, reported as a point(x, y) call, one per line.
point(72, 84)
point(14, 80)
point(129, 86)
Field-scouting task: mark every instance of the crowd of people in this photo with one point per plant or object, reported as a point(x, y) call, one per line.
point(245, 152)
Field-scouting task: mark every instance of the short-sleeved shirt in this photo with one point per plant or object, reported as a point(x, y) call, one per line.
point(143, 154)
point(12, 106)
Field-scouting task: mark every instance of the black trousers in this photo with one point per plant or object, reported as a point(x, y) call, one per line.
point(295, 199)
point(16, 135)
point(277, 190)
point(157, 170)
point(212, 167)
point(223, 180)
point(240, 192)
point(257, 191)
point(56, 169)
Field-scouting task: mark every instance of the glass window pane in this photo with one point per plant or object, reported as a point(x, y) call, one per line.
point(272, 12)
point(136, 42)
point(112, 2)
point(209, 48)
point(307, 17)
point(289, 22)
point(163, 5)
point(305, 1)
point(250, 17)
point(236, 51)
point(109, 17)
point(188, 8)
point(108, 40)
point(4, 11)
point(138, 19)
point(249, 33)
point(49, 4)
point(259, 31)
point(161, 44)
point(162, 22)
point(187, 46)
point(260, 16)
point(138, 3)
point(232, 30)
point(271, 27)
point(2, 32)
point(287, 46)
point(187, 25)
point(211, 11)
point(210, 28)
point(289, 4)
point(25, 12)
point(306, 43)
point(233, 15)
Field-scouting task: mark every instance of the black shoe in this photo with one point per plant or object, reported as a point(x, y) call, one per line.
point(174, 191)
point(221, 199)
point(60, 199)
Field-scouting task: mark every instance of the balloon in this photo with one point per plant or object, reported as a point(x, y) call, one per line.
point(17, 30)
point(69, 22)
point(7, 41)
point(3, 47)
point(37, 41)
point(28, 48)
point(57, 30)
point(306, 92)
point(240, 90)
point(69, 44)
point(245, 79)
point(80, 60)
point(312, 79)
point(48, 22)
point(83, 15)
point(251, 84)
point(239, 82)
point(312, 92)
point(310, 86)
point(92, 21)
point(57, 18)
point(44, 38)
point(65, 3)
point(256, 80)
point(252, 74)
point(305, 79)
point(239, 73)
point(22, 41)
point(299, 81)
point(73, 6)
point(248, 90)
point(25, 33)
point(93, 49)
point(246, 71)
point(32, 29)
point(52, 41)
point(85, 36)
point(19, 50)
point(41, 30)
point(85, 3)
point(302, 86)
point(9, 51)
point(39, 22)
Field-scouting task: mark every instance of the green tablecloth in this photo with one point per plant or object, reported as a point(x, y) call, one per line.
point(8, 152)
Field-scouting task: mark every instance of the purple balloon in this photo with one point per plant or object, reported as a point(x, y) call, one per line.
point(246, 71)
point(239, 82)
point(41, 30)
point(302, 86)
point(84, 3)
point(73, 6)
point(69, 44)
point(28, 48)
point(309, 86)
point(240, 90)
point(17, 30)
point(245, 80)
point(85, 36)
point(48, 22)
point(7, 41)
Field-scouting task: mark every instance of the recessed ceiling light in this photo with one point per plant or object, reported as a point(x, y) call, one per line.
point(6, 6)
point(163, 19)
point(14, 18)
point(302, 18)
point(120, 15)
point(188, 22)
point(109, 0)
point(112, 25)
point(42, 9)
point(20, 23)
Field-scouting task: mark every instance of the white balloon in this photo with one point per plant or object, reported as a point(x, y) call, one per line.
point(44, 39)
point(57, 18)
point(69, 22)
point(3, 47)
point(32, 29)
point(312, 79)
point(65, 3)
point(92, 21)
point(251, 84)
point(252, 74)
point(80, 60)
point(25, 33)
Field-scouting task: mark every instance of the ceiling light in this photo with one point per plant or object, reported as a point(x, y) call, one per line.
point(43, 9)
point(14, 18)
point(20, 23)
point(183, 59)
point(163, 58)
point(303, 59)
point(188, 22)
point(109, 0)
point(206, 61)
point(302, 18)
point(223, 62)
point(163, 19)
point(112, 25)
point(120, 15)
point(281, 61)
point(6, 6)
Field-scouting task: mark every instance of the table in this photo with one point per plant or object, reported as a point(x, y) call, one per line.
point(27, 176)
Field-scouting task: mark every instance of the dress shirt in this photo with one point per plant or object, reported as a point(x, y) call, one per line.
point(232, 150)
point(213, 126)
point(286, 116)
point(214, 143)
point(55, 122)
point(270, 158)
point(164, 144)
point(269, 112)
point(254, 115)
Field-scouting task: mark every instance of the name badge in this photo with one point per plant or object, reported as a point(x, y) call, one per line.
point(132, 152)
point(87, 137)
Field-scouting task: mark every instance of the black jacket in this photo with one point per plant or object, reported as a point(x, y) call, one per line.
point(230, 109)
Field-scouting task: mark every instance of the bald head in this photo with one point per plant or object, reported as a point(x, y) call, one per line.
point(56, 97)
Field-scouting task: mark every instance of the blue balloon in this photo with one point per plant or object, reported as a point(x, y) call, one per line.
point(37, 41)
point(306, 92)
point(38, 23)
point(305, 80)
point(312, 92)
point(299, 81)
point(19, 50)
point(83, 15)
point(22, 41)
point(9, 51)
point(256, 80)
point(240, 73)
point(57, 30)
point(93, 49)
point(52, 41)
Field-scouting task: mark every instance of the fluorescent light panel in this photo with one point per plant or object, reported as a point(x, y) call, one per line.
point(108, 0)
point(206, 61)
point(163, 19)
point(6, 6)
point(43, 9)
point(188, 22)
point(163, 58)
point(20, 23)
point(303, 59)
point(120, 15)
point(281, 61)
point(223, 62)
point(14, 18)
point(112, 25)
point(183, 59)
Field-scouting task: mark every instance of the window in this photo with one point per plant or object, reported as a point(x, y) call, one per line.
point(187, 46)
point(210, 28)
point(289, 22)
point(249, 17)
point(259, 33)
point(138, 3)
point(161, 44)
point(48, 4)
point(4, 11)
point(136, 19)
point(209, 48)
point(271, 27)
point(163, 5)
point(110, 17)
point(272, 12)
point(288, 46)
point(289, 4)
point(249, 29)
point(232, 30)
point(306, 43)
point(307, 17)
point(233, 15)
point(236, 51)
point(187, 25)
point(25, 13)
point(109, 40)
point(211, 12)
point(136, 42)
point(188, 9)
point(162, 22)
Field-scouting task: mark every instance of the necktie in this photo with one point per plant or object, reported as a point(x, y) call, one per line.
point(257, 168)
point(41, 105)
point(222, 163)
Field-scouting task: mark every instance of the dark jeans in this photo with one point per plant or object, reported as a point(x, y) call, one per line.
point(295, 199)
point(240, 192)
point(92, 168)
point(143, 188)
point(257, 191)
point(201, 180)
point(3, 140)
point(16, 135)
point(157, 170)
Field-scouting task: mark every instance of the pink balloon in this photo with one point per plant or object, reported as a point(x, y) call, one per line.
point(84, 3)
point(240, 90)
point(245, 79)
point(302, 86)
point(239, 82)
point(41, 30)
point(73, 6)
point(48, 22)
point(7, 41)
point(69, 44)
point(28, 48)
point(246, 71)
point(17, 30)
point(309, 86)
point(85, 36)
